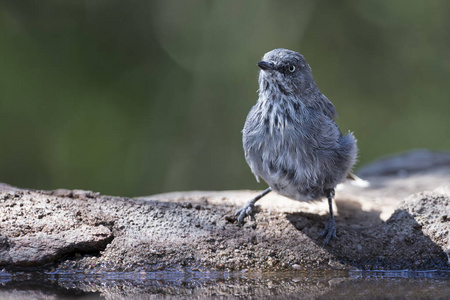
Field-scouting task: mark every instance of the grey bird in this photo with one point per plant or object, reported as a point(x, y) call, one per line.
point(291, 139)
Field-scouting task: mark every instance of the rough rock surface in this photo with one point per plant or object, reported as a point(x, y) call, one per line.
point(400, 222)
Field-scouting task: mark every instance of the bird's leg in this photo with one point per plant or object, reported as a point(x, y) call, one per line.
point(249, 208)
point(330, 228)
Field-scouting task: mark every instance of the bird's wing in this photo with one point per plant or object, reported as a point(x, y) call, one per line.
point(327, 107)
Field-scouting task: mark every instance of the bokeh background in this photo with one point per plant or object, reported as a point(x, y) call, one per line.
point(141, 97)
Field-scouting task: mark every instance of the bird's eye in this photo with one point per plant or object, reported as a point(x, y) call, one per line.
point(291, 69)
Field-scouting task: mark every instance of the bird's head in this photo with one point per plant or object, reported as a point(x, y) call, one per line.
point(284, 71)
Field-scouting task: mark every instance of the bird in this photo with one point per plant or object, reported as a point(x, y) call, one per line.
point(291, 139)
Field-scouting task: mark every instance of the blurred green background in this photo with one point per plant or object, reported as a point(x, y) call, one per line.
point(141, 97)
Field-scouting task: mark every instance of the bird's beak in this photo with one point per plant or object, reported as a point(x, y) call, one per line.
point(264, 65)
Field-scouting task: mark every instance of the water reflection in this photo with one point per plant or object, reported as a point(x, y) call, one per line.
point(305, 285)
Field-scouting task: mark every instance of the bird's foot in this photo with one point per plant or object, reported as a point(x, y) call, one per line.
point(248, 210)
point(329, 232)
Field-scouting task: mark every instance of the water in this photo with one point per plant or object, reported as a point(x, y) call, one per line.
point(304, 285)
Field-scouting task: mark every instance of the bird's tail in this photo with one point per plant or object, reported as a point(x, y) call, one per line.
point(355, 180)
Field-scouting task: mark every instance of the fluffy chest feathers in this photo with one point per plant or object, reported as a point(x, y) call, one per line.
point(292, 147)
point(277, 123)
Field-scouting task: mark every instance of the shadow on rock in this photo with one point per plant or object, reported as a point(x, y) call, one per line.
point(367, 242)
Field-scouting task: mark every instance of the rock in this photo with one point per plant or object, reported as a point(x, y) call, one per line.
point(40, 248)
point(408, 163)
point(431, 211)
point(392, 224)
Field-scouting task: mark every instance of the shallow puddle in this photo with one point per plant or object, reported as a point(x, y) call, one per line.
point(303, 285)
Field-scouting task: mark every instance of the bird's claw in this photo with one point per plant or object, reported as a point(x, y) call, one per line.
point(248, 210)
point(329, 232)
